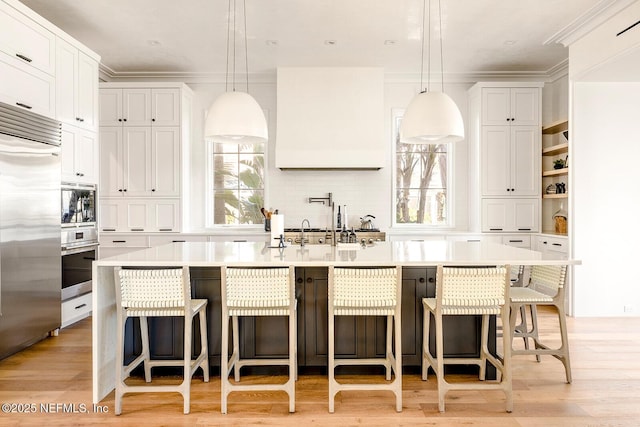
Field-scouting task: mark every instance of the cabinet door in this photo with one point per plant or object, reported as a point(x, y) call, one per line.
point(165, 161)
point(526, 213)
point(525, 160)
point(111, 180)
point(525, 106)
point(164, 215)
point(136, 107)
point(136, 161)
point(27, 87)
point(110, 215)
point(67, 154)
point(86, 158)
point(24, 39)
point(165, 107)
point(136, 215)
point(495, 215)
point(496, 155)
point(66, 82)
point(414, 287)
point(110, 107)
point(495, 106)
point(87, 95)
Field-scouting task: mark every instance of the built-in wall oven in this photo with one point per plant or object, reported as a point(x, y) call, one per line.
point(79, 238)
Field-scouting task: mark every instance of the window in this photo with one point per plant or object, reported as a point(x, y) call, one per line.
point(421, 181)
point(238, 183)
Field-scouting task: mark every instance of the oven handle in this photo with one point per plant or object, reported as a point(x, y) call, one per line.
point(78, 249)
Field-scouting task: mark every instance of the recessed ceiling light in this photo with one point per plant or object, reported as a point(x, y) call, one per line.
point(153, 42)
point(331, 42)
point(272, 42)
point(510, 42)
point(390, 42)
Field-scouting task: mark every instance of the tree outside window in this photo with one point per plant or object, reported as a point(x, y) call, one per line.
point(238, 183)
point(421, 182)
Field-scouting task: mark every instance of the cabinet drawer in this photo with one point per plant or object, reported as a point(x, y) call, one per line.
point(163, 240)
point(27, 88)
point(27, 41)
point(124, 240)
point(76, 309)
point(553, 244)
point(519, 241)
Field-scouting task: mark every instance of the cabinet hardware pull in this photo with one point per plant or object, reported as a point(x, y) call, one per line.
point(473, 240)
point(178, 241)
point(24, 58)
point(421, 280)
point(309, 279)
point(299, 280)
point(108, 229)
point(80, 306)
point(495, 229)
point(166, 229)
point(124, 120)
point(556, 244)
point(153, 189)
point(524, 229)
point(137, 229)
point(153, 120)
point(20, 104)
point(119, 241)
point(515, 241)
point(431, 280)
point(119, 120)
point(239, 240)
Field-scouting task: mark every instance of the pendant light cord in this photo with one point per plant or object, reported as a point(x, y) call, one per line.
point(429, 51)
point(246, 48)
point(441, 55)
point(424, 7)
point(226, 70)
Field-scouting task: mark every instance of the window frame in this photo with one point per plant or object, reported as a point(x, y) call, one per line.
point(396, 118)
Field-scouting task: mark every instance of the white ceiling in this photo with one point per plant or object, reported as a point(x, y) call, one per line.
point(188, 37)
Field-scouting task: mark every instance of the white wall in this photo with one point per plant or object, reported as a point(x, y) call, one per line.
point(364, 192)
point(606, 200)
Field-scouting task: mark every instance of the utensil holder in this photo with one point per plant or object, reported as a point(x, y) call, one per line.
point(267, 224)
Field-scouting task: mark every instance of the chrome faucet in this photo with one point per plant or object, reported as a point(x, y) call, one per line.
point(302, 230)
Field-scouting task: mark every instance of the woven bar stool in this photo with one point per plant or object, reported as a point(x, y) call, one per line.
point(367, 292)
point(469, 291)
point(257, 292)
point(158, 293)
point(546, 287)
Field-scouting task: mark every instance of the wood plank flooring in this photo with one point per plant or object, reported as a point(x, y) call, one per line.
point(605, 356)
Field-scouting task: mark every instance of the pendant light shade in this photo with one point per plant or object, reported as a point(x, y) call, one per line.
point(431, 117)
point(236, 117)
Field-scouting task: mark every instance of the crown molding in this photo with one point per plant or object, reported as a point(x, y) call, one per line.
point(588, 21)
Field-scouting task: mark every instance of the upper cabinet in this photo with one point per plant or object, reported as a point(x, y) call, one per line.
point(140, 107)
point(76, 87)
point(26, 40)
point(511, 106)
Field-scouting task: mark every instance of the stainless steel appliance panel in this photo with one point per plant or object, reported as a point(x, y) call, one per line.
point(29, 231)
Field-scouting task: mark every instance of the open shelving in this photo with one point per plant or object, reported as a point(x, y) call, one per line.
point(555, 146)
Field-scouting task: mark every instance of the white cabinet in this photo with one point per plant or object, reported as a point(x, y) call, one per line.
point(76, 309)
point(76, 86)
point(139, 161)
point(142, 129)
point(552, 244)
point(505, 157)
point(511, 106)
point(79, 155)
point(26, 40)
point(140, 215)
point(140, 107)
point(28, 88)
point(510, 215)
point(509, 166)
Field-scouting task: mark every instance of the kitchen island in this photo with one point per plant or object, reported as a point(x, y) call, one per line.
point(206, 258)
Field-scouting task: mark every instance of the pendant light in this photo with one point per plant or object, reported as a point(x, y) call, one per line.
point(235, 116)
point(431, 117)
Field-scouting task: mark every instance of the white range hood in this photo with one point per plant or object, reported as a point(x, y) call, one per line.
point(330, 118)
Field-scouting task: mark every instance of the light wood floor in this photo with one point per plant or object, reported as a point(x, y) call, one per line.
point(605, 354)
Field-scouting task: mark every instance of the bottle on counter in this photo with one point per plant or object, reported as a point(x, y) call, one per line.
point(339, 219)
point(344, 217)
point(344, 235)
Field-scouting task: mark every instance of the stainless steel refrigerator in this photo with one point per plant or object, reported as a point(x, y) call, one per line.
point(30, 271)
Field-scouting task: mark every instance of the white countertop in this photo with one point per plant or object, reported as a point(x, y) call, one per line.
point(405, 253)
